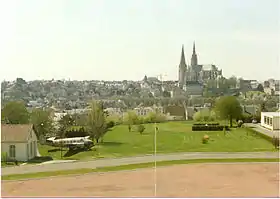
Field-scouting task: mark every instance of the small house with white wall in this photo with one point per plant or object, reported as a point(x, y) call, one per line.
point(19, 142)
point(270, 120)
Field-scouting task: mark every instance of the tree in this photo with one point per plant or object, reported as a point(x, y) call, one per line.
point(140, 128)
point(15, 112)
point(154, 117)
point(204, 115)
point(96, 121)
point(42, 122)
point(64, 123)
point(228, 107)
point(131, 118)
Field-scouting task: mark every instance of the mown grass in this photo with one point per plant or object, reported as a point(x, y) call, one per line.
point(130, 167)
point(172, 137)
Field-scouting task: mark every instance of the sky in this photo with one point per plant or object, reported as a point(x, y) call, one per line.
point(127, 39)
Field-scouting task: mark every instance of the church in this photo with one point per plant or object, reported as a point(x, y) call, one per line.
point(192, 77)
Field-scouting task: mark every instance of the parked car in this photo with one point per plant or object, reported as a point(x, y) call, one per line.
point(254, 121)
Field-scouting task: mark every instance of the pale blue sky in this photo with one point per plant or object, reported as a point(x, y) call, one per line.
point(126, 39)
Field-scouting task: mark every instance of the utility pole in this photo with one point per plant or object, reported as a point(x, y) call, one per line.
point(155, 160)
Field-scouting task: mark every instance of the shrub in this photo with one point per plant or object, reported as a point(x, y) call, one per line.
point(208, 124)
point(76, 131)
point(205, 139)
point(154, 117)
point(4, 157)
point(275, 142)
point(110, 124)
point(209, 128)
point(140, 128)
point(40, 159)
point(204, 115)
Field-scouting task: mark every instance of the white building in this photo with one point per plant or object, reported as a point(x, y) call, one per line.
point(270, 120)
point(18, 142)
point(144, 111)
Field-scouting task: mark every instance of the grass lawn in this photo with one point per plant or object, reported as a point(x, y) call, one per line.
point(172, 137)
point(127, 167)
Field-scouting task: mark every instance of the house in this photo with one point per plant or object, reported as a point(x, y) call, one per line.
point(175, 112)
point(270, 120)
point(19, 141)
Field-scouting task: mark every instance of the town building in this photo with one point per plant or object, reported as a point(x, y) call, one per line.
point(18, 142)
point(270, 120)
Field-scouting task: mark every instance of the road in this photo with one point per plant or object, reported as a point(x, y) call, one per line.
point(263, 130)
point(133, 160)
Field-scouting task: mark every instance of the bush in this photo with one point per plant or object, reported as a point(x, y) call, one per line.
point(153, 117)
point(4, 157)
point(209, 128)
point(208, 124)
point(76, 131)
point(110, 124)
point(204, 115)
point(140, 128)
point(205, 139)
point(275, 142)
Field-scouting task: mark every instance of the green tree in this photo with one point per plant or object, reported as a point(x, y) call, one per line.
point(96, 121)
point(228, 107)
point(204, 115)
point(140, 128)
point(131, 118)
point(42, 121)
point(64, 123)
point(15, 112)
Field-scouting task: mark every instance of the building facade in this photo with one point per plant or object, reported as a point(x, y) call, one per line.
point(196, 72)
point(19, 142)
point(270, 120)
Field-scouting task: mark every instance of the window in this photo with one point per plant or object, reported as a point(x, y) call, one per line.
point(270, 121)
point(12, 151)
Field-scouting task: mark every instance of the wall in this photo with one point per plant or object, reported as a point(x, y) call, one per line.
point(33, 145)
point(21, 154)
point(276, 123)
point(263, 123)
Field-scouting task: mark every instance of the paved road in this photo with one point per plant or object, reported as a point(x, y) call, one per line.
point(263, 130)
point(133, 160)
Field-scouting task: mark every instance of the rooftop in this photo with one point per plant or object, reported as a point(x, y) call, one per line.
point(273, 114)
point(15, 132)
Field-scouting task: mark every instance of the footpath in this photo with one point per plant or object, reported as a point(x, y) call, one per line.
point(260, 129)
point(108, 162)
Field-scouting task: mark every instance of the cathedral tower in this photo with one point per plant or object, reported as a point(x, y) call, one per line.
point(182, 69)
point(194, 57)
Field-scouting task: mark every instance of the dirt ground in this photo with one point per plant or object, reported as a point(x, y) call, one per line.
point(194, 180)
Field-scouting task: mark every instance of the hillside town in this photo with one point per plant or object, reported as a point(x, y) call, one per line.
point(198, 85)
point(140, 99)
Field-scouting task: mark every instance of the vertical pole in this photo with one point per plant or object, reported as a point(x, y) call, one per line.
point(155, 161)
point(61, 149)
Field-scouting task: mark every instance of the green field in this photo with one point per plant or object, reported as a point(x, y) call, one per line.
point(128, 167)
point(172, 137)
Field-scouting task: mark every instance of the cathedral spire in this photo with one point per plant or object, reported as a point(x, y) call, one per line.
point(194, 48)
point(194, 56)
point(183, 61)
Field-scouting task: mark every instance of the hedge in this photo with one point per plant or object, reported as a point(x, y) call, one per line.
point(208, 124)
point(209, 128)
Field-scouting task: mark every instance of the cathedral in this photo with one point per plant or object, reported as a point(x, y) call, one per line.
point(195, 73)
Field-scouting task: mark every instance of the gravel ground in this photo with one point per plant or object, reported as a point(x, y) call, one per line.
point(194, 180)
